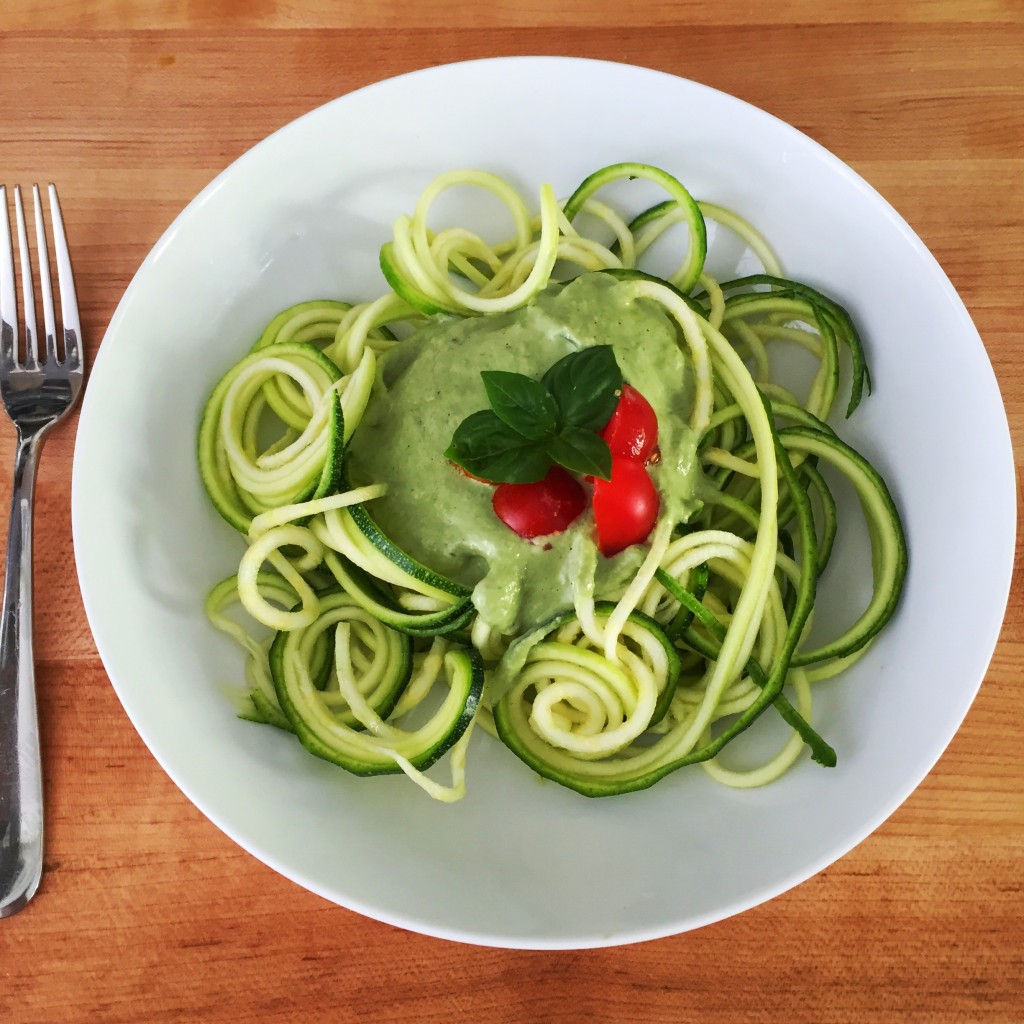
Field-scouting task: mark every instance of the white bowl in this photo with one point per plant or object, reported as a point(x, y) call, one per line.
point(522, 863)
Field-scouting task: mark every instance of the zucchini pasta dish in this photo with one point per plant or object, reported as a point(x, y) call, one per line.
point(538, 490)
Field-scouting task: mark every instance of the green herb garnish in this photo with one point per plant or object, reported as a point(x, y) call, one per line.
point(533, 424)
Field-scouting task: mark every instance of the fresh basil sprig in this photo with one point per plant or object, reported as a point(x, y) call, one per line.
point(533, 424)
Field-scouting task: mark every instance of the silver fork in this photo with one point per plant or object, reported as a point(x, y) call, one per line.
point(38, 391)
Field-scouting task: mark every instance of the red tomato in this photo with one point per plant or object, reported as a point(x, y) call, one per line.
point(535, 510)
point(633, 427)
point(625, 507)
point(465, 472)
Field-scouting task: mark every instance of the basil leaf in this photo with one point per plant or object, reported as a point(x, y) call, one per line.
point(487, 447)
point(527, 465)
point(582, 451)
point(523, 403)
point(585, 386)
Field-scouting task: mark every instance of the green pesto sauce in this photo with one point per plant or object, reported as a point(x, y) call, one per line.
point(431, 382)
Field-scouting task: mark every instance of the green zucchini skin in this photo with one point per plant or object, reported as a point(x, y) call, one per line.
point(346, 743)
point(234, 505)
point(602, 609)
point(466, 677)
point(405, 562)
point(332, 476)
point(384, 553)
point(267, 713)
point(372, 595)
point(514, 731)
point(828, 312)
point(888, 539)
point(319, 319)
point(405, 289)
point(334, 603)
point(690, 272)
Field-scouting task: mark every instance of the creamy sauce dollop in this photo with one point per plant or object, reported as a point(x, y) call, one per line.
point(431, 382)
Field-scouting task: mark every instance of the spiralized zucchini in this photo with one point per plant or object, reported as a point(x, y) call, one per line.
point(382, 665)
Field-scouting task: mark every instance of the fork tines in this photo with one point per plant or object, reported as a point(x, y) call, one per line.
point(9, 348)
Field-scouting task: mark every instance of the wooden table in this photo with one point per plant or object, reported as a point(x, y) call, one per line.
point(147, 912)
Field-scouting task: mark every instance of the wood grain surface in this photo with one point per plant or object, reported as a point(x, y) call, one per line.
point(149, 913)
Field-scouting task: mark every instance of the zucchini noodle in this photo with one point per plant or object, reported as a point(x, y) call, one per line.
point(382, 665)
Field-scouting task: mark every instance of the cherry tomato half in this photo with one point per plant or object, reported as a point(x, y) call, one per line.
point(535, 510)
point(625, 507)
point(633, 427)
point(466, 473)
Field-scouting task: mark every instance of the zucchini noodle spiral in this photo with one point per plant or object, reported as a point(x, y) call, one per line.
point(382, 665)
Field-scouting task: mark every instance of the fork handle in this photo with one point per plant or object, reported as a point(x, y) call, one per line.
point(21, 777)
